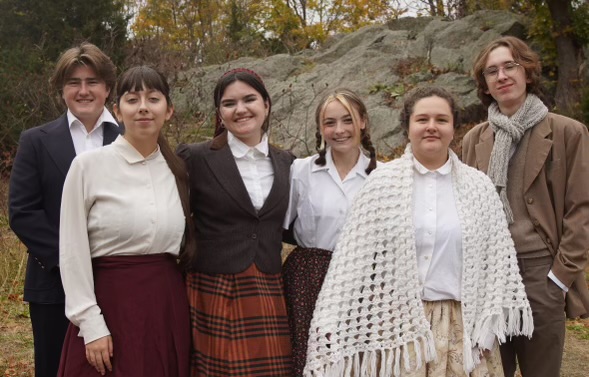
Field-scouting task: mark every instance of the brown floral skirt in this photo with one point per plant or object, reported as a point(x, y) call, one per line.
point(445, 318)
point(303, 273)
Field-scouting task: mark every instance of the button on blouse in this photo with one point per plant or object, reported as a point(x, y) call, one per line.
point(319, 199)
point(255, 168)
point(438, 234)
point(115, 202)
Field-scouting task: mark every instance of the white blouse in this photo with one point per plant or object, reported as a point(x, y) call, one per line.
point(255, 168)
point(115, 202)
point(319, 199)
point(438, 234)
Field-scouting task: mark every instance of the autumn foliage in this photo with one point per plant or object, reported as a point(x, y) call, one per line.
point(178, 35)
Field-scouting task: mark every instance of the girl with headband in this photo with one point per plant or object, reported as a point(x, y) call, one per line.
point(239, 195)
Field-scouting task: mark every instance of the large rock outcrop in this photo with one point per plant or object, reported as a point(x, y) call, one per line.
point(379, 62)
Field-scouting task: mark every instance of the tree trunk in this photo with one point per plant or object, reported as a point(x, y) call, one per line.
point(440, 8)
point(432, 8)
point(570, 53)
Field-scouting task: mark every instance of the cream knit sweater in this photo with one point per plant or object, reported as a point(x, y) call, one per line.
point(369, 309)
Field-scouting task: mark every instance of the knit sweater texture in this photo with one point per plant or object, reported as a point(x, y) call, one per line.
point(369, 310)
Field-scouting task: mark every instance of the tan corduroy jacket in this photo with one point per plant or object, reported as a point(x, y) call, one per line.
point(556, 193)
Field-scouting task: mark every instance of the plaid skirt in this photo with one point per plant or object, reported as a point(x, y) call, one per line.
point(303, 274)
point(144, 304)
point(239, 324)
point(445, 318)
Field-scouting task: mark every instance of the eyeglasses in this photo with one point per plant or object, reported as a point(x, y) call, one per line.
point(509, 69)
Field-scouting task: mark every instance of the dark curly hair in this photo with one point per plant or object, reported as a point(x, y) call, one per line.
point(421, 92)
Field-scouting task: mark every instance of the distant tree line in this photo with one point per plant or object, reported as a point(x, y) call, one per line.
point(175, 35)
point(560, 28)
point(32, 35)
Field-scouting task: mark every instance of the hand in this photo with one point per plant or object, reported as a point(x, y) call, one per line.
point(98, 354)
point(484, 353)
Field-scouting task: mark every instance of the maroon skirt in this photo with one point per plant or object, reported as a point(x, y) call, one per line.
point(303, 273)
point(145, 307)
point(239, 325)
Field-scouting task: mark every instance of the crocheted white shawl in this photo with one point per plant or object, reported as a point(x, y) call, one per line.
point(369, 309)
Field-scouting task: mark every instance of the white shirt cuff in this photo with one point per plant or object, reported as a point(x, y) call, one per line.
point(93, 329)
point(557, 282)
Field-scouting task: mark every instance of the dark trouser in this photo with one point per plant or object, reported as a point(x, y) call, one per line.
point(49, 327)
point(542, 354)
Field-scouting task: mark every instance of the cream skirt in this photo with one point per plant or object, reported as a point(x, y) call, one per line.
point(445, 318)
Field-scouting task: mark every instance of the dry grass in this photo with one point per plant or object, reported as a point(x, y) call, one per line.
point(16, 340)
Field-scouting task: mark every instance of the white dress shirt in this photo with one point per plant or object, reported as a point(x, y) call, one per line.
point(438, 234)
point(255, 168)
point(84, 140)
point(319, 199)
point(115, 202)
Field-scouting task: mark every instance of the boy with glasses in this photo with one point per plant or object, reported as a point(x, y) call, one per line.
point(539, 163)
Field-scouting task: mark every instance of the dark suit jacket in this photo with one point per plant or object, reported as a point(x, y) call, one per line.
point(230, 234)
point(42, 161)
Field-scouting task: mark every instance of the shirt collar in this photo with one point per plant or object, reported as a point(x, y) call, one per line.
point(359, 168)
point(443, 170)
point(130, 154)
point(239, 149)
point(106, 116)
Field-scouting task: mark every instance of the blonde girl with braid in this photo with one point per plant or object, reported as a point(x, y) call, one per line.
point(322, 189)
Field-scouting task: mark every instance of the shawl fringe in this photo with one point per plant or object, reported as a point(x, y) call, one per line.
point(364, 363)
point(512, 321)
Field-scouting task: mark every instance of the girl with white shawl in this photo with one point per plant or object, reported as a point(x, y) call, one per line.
point(424, 280)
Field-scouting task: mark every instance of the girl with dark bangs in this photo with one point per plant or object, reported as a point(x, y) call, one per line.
point(123, 218)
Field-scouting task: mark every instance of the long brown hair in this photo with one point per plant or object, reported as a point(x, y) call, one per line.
point(141, 78)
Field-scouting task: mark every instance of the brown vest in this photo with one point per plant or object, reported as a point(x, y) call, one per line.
point(527, 241)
